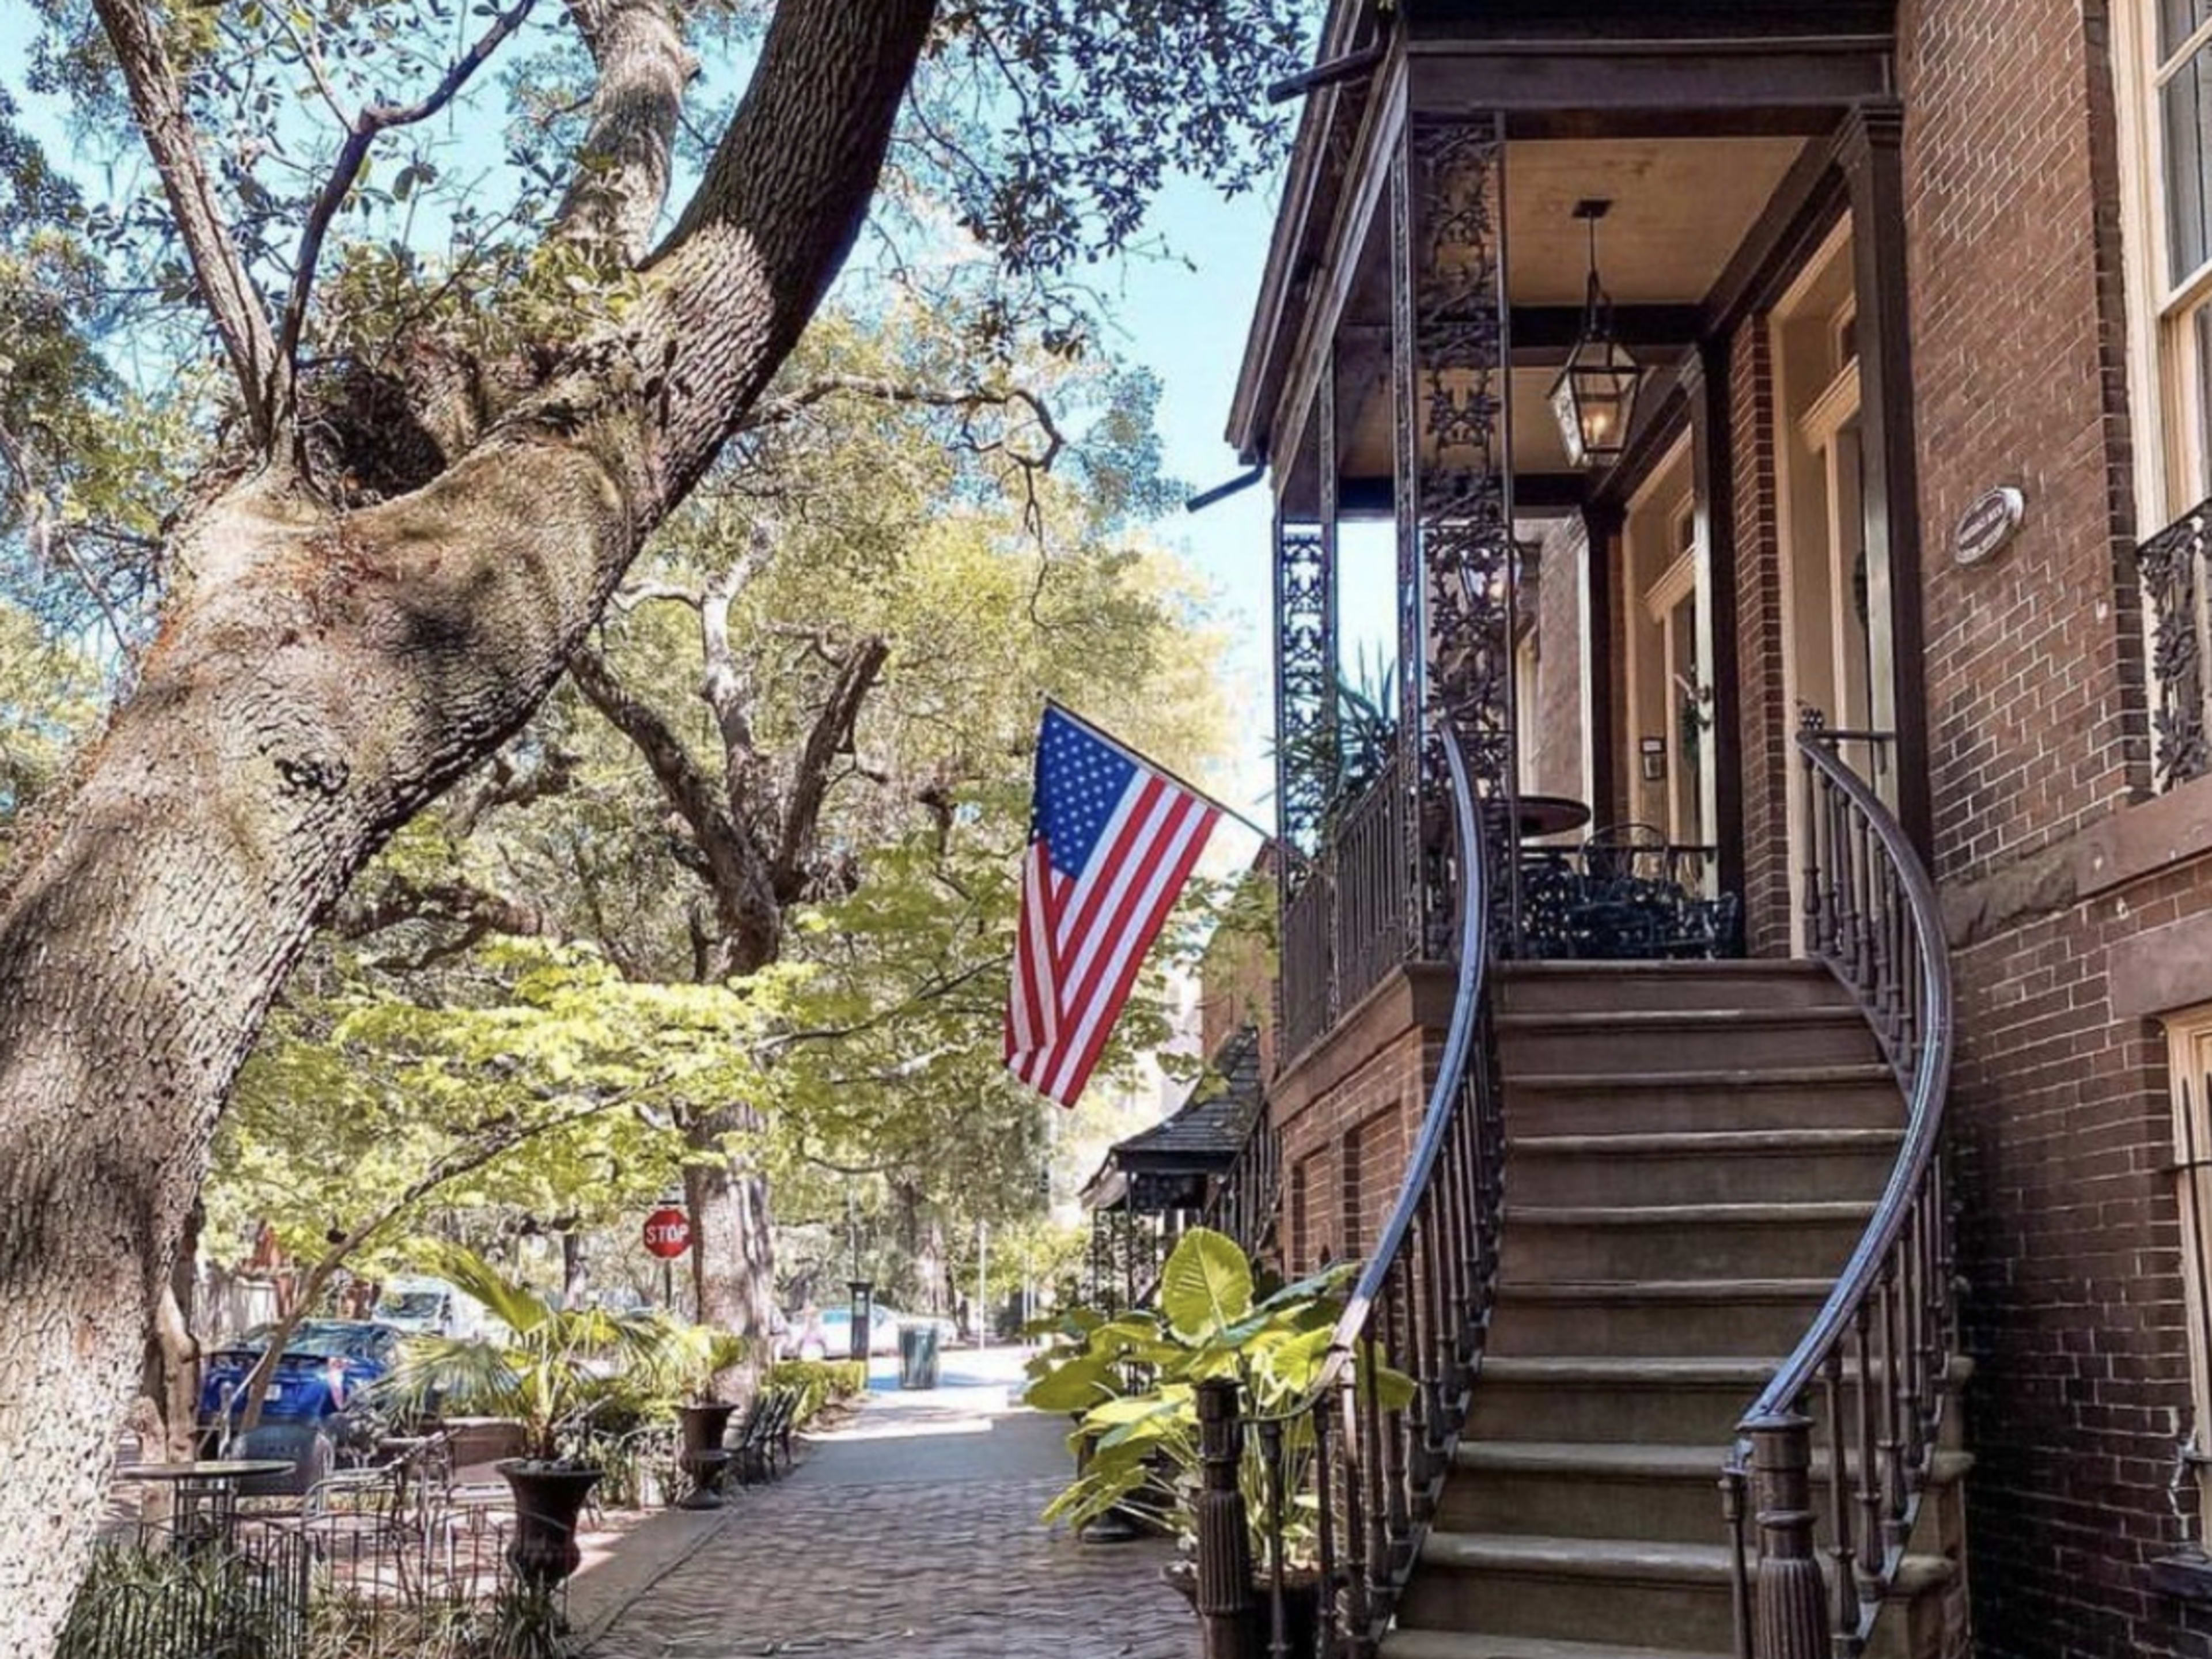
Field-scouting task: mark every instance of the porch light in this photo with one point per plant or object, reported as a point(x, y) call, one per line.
point(1595, 396)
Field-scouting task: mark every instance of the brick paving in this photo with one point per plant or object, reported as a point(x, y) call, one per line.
point(911, 1535)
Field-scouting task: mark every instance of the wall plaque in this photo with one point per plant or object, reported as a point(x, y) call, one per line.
point(1986, 528)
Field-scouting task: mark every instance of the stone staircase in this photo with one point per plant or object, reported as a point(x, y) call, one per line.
point(1693, 1151)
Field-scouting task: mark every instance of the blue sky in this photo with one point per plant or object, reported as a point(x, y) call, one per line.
point(1184, 317)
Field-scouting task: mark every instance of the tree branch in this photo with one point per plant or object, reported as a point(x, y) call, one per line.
point(464, 1159)
point(157, 99)
point(352, 154)
point(809, 786)
point(621, 180)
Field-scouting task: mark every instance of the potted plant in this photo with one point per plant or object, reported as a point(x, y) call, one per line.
point(705, 1355)
point(548, 1369)
point(1131, 1378)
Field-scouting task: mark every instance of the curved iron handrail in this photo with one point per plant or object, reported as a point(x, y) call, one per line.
point(1886, 1330)
point(1444, 1096)
point(1421, 1304)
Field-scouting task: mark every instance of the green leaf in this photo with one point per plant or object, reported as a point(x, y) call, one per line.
point(1206, 1283)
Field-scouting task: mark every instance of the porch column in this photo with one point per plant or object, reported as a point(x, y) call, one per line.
point(1451, 443)
point(1308, 752)
point(1868, 151)
point(1601, 527)
point(1306, 759)
point(1712, 465)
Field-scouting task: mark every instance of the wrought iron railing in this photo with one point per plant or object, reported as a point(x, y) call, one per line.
point(1371, 1455)
point(1868, 1384)
point(2172, 564)
point(1244, 1200)
point(1345, 926)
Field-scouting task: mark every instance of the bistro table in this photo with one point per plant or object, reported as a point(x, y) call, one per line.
point(1548, 815)
point(206, 1489)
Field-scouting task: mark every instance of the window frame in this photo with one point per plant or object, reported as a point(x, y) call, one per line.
point(2168, 392)
point(2189, 1075)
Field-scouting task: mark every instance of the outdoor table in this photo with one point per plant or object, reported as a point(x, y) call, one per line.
point(1549, 815)
point(206, 1488)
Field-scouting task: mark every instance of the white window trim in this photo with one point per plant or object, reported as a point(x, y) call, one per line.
point(2169, 441)
point(2189, 1060)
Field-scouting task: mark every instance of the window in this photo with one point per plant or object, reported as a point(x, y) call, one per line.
point(2189, 1038)
point(2164, 51)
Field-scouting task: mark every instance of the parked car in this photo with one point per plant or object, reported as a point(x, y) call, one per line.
point(420, 1306)
point(829, 1334)
point(319, 1400)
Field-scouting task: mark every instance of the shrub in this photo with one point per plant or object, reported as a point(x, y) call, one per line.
point(819, 1381)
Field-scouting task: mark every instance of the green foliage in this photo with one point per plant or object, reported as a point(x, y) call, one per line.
point(1130, 1379)
point(552, 1370)
point(820, 1383)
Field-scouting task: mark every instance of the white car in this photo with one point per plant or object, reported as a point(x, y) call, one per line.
point(420, 1306)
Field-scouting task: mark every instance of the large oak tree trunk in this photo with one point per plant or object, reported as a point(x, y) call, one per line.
point(318, 678)
point(734, 1249)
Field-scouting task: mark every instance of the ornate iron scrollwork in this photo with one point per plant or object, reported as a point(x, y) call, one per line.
point(2170, 564)
point(1457, 558)
point(1305, 689)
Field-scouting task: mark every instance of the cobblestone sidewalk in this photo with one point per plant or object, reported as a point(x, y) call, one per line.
point(913, 1536)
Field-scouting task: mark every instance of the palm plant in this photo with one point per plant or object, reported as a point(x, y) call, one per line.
point(549, 1369)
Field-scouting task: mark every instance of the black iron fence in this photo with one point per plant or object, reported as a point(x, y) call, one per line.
point(400, 1560)
point(1346, 926)
point(2171, 565)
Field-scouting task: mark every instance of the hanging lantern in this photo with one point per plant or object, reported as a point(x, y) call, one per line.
point(1595, 397)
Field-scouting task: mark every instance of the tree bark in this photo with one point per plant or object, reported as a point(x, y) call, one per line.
point(733, 1244)
point(319, 676)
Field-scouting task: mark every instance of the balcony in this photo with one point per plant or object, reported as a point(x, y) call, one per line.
point(2171, 565)
point(1356, 912)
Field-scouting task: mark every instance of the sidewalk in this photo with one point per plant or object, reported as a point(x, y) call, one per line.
point(912, 1534)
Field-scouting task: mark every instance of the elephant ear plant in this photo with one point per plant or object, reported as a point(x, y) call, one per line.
point(1131, 1378)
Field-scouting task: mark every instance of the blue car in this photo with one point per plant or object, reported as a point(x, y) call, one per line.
point(315, 1401)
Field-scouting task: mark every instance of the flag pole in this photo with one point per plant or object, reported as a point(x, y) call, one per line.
point(1136, 758)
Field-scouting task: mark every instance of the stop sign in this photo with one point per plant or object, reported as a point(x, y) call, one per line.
point(667, 1232)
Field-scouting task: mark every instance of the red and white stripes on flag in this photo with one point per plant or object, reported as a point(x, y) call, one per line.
point(1112, 841)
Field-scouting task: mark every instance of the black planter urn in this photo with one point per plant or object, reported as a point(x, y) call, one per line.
point(704, 1458)
point(547, 1498)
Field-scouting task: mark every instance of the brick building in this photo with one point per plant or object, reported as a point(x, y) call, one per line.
point(1917, 296)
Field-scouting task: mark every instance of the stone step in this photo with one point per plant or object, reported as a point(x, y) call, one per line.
point(1584, 1589)
point(1574, 1099)
point(1534, 988)
point(1639, 1041)
point(1603, 1489)
point(1586, 1489)
point(1671, 1401)
point(1402, 1644)
point(1545, 1242)
point(1697, 1318)
point(1701, 1167)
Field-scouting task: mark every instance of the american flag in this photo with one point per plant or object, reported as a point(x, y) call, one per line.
point(1111, 843)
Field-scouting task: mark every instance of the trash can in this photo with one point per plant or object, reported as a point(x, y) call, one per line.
point(917, 1356)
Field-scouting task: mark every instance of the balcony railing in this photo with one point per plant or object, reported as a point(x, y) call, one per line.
point(1345, 928)
point(2171, 565)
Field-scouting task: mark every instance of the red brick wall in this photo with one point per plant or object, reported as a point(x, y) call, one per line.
point(2062, 1132)
point(1348, 1112)
point(1758, 643)
point(2029, 715)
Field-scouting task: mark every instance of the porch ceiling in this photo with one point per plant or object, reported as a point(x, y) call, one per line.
point(1681, 207)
